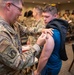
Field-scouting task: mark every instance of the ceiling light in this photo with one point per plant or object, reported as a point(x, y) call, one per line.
point(44, 3)
point(58, 2)
point(33, 2)
point(68, 1)
point(53, 4)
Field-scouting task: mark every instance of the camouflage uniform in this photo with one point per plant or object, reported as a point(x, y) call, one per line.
point(22, 31)
point(35, 30)
point(29, 21)
point(12, 61)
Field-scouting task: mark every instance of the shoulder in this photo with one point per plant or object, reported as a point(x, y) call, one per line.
point(2, 31)
point(2, 28)
point(50, 38)
point(57, 35)
point(4, 34)
point(56, 31)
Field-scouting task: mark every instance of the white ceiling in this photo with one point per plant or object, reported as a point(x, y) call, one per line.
point(48, 1)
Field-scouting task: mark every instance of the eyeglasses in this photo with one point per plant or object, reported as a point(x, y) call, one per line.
point(17, 7)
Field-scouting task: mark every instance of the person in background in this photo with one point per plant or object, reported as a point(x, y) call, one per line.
point(65, 17)
point(72, 16)
point(12, 58)
point(29, 19)
point(37, 25)
point(59, 14)
point(35, 28)
point(53, 52)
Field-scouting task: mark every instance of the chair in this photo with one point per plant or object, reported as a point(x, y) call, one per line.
point(73, 58)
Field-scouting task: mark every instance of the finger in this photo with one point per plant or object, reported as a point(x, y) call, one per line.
point(51, 28)
point(50, 32)
point(43, 35)
point(43, 30)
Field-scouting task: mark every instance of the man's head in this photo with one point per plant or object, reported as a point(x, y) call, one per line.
point(37, 11)
point(49, 13)
point(10, 10)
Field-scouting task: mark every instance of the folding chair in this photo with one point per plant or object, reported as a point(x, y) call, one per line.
point(73, 58)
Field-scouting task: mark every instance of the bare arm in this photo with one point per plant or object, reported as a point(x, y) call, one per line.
point(46, 53)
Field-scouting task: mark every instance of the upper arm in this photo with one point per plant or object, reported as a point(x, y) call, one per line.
point(48, 47)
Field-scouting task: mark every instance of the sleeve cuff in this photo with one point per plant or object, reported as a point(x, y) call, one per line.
point(37, 48)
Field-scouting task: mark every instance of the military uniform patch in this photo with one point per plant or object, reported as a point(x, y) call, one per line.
point(11, 52)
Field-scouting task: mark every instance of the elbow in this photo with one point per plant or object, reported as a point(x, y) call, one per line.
point(44, 58)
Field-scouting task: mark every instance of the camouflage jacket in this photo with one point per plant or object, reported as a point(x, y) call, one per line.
point(12, 62)
point(35, 31)
point(37, 26)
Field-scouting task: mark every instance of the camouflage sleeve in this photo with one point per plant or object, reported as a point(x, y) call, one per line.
point(22, 27)
point(31, 61)
point(40, 26)
point(37, 29)
point(11, 57)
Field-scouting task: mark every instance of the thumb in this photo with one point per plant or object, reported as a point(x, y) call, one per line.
point(43, 36)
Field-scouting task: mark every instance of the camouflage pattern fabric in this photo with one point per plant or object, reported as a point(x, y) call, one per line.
point(35, 31)
point(12, 62)
point(29, 21)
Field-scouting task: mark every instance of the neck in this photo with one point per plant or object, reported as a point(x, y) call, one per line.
point(4, 16)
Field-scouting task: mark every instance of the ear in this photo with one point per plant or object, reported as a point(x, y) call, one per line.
point(8, 5)
point(55, 15)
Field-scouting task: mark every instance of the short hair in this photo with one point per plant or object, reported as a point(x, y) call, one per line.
point(25, 14)
point(51, 9)
point(29, 13)
point(14, 1)
point(39, 8)
point(2, 2)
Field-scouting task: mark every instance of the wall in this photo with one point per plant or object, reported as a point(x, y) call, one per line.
point(29, 6)
point(61, 7)
point(67, 6)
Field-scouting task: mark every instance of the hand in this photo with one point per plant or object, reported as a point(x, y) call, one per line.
point(41, 39)
point(36, 73)
point(48, 31)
